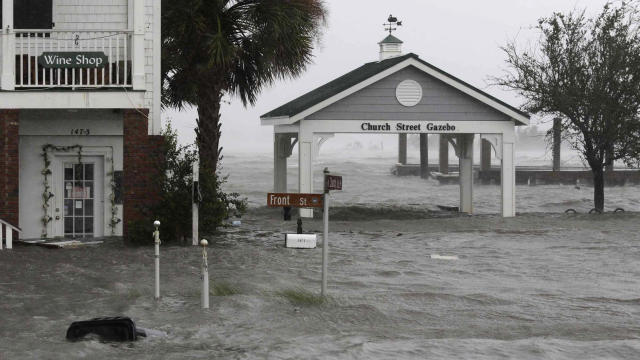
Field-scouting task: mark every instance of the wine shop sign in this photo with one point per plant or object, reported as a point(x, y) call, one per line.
point(73, 59)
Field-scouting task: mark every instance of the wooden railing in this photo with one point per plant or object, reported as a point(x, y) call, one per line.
point(8, 229)
point(30, 44)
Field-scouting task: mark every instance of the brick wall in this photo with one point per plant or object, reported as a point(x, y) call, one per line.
point(9, 166)
point(142, 155)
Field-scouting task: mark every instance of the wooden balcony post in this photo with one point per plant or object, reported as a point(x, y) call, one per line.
point(7, 48)
point(137, 46)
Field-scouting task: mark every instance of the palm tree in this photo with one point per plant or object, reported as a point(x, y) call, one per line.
point(213, 48)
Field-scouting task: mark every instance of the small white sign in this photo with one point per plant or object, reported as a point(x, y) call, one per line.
point(300, 241)
point(79, 204)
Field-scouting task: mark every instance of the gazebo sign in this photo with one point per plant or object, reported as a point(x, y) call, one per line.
point(73, 59)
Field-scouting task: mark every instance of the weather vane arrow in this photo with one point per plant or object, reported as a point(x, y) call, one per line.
point(391, 24)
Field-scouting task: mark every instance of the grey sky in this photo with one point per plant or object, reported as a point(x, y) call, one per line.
point(461, 37)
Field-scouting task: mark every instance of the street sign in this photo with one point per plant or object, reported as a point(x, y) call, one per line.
point(294, 200)
point(332, 182)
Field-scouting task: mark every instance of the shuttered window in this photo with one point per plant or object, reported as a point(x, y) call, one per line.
point(32, 14)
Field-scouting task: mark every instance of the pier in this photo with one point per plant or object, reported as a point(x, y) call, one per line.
point(525, 175)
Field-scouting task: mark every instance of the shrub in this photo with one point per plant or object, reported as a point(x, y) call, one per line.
point(174, 208)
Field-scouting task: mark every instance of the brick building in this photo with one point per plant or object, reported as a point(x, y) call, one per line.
point(79, 114)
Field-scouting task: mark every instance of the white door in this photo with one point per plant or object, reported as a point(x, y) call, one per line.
point(81, 205)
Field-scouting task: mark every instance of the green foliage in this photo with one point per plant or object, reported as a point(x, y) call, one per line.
point(302, 297)
point(215, 48)
point(587, 73)
point(174, 209)
point(237, 46)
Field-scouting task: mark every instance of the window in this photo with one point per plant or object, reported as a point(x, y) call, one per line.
point(31, 14)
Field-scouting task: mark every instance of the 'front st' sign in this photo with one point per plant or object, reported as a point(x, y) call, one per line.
point(73, 59)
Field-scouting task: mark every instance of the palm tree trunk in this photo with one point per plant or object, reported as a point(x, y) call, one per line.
point(598, 188)
point(208, 130)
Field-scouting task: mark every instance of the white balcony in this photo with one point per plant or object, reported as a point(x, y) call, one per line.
point(31, 73)
point(122, 51)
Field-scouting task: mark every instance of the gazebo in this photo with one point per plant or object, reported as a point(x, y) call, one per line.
point(398, 94)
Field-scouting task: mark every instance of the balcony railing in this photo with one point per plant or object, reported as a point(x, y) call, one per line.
point(30, 44)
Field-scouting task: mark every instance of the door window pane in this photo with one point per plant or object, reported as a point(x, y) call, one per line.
point(78, 190)
point(68, 189)
point(68, 225)
point(88, 208)
point(88, 171)
point(77, 207)
point(78, 226)
point(68, 206)
point(68, 172)
point(88, 189)
point(79, 173)
point(88, 225)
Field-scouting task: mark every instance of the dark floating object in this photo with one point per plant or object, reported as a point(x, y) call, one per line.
point(448, 208)
point(595, 211)
point(618, 210)
point(571, 211)
point(107, 328)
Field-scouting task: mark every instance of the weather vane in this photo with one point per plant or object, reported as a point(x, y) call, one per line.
point(392, 21)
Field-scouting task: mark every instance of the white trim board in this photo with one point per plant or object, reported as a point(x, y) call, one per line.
point(72, 100)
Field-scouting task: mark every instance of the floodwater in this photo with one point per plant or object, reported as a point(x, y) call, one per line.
point(544, 285)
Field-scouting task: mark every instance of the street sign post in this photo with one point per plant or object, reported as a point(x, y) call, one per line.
point(331, 182)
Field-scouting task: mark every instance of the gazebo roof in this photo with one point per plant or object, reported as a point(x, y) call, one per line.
point(369, 70)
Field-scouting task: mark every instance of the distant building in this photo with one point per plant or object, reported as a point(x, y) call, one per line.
point(79, 115)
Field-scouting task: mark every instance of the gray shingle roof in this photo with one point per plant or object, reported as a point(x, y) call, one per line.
point(391, 40)
point(355, 77)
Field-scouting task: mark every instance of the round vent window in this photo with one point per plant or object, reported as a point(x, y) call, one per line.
point(409, 93)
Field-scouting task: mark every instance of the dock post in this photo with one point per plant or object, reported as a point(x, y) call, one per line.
point(557, 140)
point(424, 156)
point(402, 149)
point(444, 154)
point(608, 156)
point(485, 155)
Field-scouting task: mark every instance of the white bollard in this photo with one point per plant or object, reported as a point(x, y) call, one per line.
point(194, 203)
point(205, 275)
point(156, 236)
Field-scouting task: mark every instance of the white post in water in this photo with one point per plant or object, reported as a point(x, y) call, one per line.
point(195, 200)
point(325, 238)
point(205, 275)
point(156, 237)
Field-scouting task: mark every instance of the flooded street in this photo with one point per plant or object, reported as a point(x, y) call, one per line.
point(537, 286)
point(406, 281)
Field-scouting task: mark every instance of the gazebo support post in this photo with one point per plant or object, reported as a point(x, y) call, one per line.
point(280, 163)
point(305, 167)
point(465, 149)
point(508, 180)
point(443, 154)
point(402, 149)
point(424, 156)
